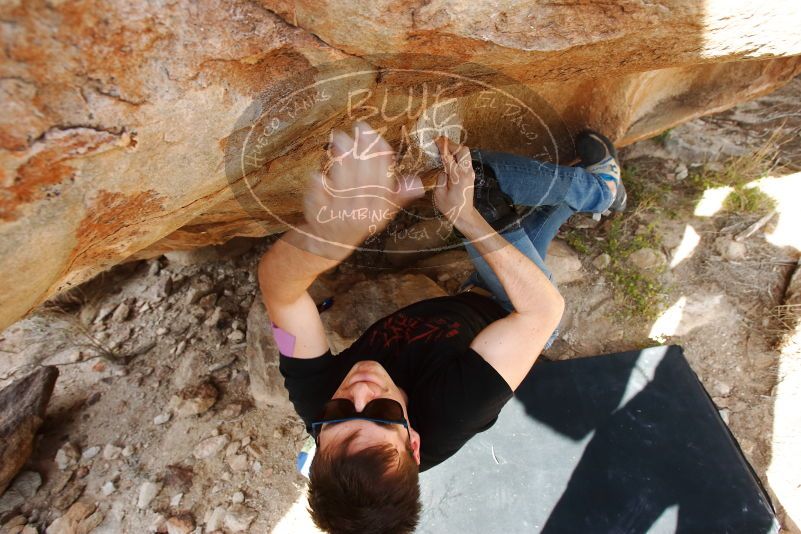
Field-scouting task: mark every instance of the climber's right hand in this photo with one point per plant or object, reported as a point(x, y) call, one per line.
point(356, 194)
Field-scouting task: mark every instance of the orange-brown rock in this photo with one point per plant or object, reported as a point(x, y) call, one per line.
point(541, 41)
point(22, 411)
point(130, 128)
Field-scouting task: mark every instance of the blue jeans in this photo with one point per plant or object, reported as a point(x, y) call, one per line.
point(554, 192)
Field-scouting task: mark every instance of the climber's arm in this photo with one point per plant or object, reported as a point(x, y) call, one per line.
point(285, 274)
point(357, 197)
point(511, 344)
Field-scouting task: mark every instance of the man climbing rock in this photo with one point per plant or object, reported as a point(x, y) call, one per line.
point(421, 382)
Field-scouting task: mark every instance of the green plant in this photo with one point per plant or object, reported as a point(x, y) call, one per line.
point(737, 171)
point(663, 137)
point(646, 192)
point(748, 200)
point(639, 294)
point(620, 243)
point(578, 241)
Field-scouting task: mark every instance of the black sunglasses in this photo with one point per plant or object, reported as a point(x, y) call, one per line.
point(382, 411)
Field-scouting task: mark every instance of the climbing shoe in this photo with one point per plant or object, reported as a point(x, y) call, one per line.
point(599, 156)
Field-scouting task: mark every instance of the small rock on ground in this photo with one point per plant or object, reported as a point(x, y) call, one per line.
point(731, 249)
point(238, 518)
point(111, 452)
point(24, 487)
point(181, 524)
point(647, 259)
point(121, 313)
point(90, 453)
point(80, 518)
point(67, 456)
point(161, 419)
point(602, 261)
point(108, 488)
point(214, 519)
point(147, 492)
point(194, 400)
point(564, 263)
point(210, 447)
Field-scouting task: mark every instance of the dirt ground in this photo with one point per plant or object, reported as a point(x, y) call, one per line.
point(145, 346)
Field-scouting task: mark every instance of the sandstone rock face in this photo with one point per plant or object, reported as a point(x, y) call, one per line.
point(521, 38)
point(266, 382)
point(22, 409)
point(133, 128)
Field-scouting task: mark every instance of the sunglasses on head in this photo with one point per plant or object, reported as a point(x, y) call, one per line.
point(381, 411)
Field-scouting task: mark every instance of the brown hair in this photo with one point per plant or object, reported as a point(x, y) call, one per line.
point(373, 490)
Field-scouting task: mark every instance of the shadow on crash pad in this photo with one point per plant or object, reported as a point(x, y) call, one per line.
point(624, 443)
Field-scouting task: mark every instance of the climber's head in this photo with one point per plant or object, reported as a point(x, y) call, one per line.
point(364, 476)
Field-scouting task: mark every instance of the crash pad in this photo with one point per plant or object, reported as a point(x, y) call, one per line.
point(624, 443)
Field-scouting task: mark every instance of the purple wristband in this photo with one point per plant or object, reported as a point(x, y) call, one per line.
point(284, 340)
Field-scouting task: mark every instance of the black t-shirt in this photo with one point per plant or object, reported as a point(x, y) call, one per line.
point(425, 347)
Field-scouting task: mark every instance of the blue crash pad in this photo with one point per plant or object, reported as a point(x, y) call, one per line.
point(623, 443)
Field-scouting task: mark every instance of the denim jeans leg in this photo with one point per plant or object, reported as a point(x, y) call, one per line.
point(542, 224)
point(532, 239)
point(555, 191)
point(529, 182)
point(486, 278)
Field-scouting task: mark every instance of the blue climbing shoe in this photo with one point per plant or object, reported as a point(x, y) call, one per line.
point(599, 156)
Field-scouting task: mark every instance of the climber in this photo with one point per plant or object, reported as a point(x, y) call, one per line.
point(422, 381)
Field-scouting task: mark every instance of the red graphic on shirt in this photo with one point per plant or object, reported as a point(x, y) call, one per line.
point(400, 328)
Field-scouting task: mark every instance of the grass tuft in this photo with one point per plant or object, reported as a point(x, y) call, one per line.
point(578, 241)
point(748, 200)
point(639, 294)
point(738, 171)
